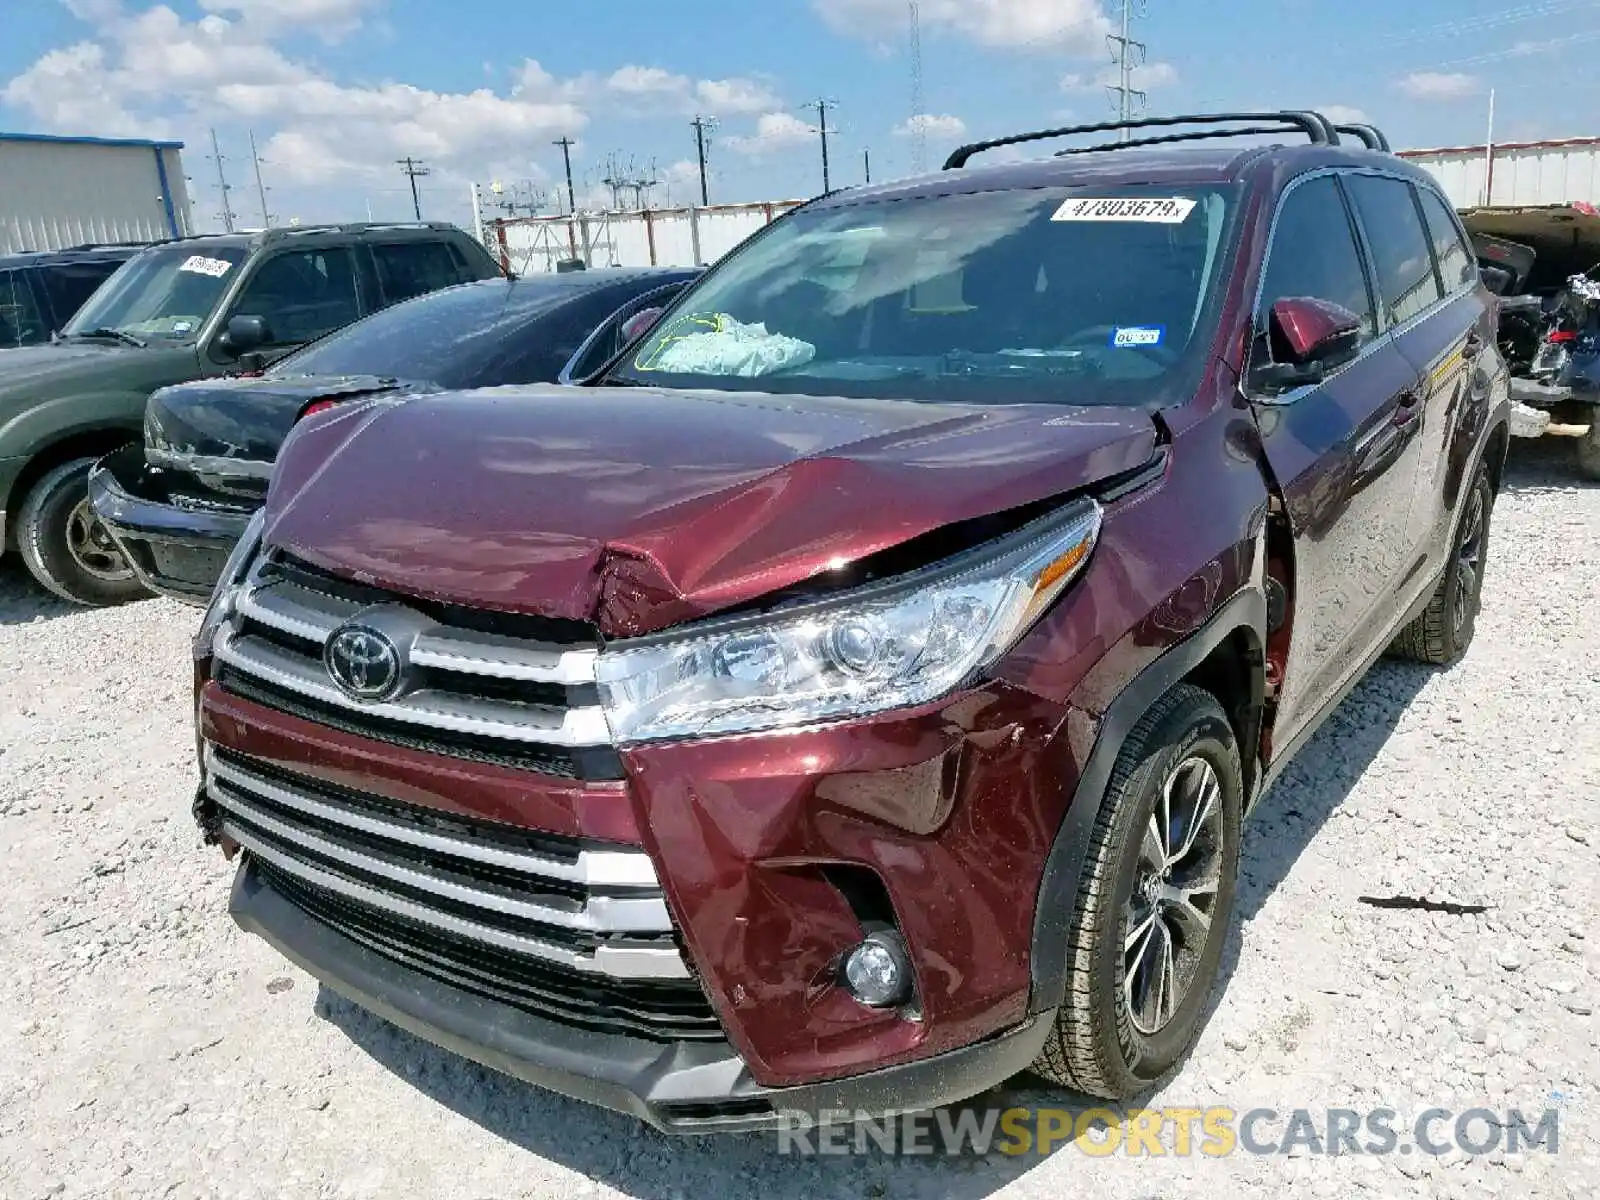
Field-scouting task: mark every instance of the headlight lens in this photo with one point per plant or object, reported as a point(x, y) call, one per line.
point(233, 573)
point(892, 645)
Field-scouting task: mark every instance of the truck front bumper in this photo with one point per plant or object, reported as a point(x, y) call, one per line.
point(176, 550)
point(683, 1088)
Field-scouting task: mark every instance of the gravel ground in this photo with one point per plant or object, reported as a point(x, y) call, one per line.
point(149, 1049)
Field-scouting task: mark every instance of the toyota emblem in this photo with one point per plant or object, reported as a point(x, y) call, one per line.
point(363, 662)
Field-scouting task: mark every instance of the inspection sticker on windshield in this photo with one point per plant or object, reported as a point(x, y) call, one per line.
point(201, 265)
point(1169, 210)
point(1137, 335)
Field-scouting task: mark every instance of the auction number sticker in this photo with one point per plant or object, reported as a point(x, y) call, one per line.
point(1168, 210)
point(201, 265)
point(1137, 335)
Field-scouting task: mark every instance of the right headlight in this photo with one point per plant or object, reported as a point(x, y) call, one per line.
point(891, 645)
point(229, 582)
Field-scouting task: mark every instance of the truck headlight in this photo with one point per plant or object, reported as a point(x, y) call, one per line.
point(895, 644)
point(229, 582)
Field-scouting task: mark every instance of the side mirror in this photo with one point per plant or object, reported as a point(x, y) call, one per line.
point(1309, 338)
point(1496, 279)
point(638, 325)
point(244, 334)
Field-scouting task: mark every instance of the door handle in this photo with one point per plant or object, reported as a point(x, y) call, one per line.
point(1473, 345)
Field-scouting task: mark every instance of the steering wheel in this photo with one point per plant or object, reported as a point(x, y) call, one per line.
point(1100, 337)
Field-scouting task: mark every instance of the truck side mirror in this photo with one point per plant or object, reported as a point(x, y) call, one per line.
point(244, 334)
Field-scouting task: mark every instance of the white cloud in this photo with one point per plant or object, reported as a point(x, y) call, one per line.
point(658, 88)
point(774, 131)
point(932, 126)
point(1438, 85)
point(1343, 114)
point(328, 15)
point(1144, 78)
point(1077, 25)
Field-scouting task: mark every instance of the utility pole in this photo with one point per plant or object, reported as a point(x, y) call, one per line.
point(261, 189)
point(703, 126)
point(413, 169)
point(866, 163)
point(222, 184)
point(919, 127)
point(566, 145)
point(822, 107)
point(1127, 54)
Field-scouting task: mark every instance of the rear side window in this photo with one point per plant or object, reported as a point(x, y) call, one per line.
point(1400, 250)
point(21, 322)
point(1449, 247)
point(407, 269)
point(70, 284)
point(1314, 255)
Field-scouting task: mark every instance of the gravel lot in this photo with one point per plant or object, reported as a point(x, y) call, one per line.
point(149, 1049)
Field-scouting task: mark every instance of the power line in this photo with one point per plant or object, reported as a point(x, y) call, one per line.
point(566, 145)
point(702, 126)
point(413, 169)
point(919, 127)
point(822, 107)
point(222, 184)
point(1127, 54)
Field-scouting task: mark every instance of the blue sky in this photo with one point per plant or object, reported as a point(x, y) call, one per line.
point(336, 90)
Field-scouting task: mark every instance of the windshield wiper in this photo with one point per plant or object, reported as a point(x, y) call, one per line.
point(127, 339)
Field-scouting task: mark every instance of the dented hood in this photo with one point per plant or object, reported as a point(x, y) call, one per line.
point(637, 508)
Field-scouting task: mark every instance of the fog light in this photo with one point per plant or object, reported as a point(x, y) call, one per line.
point(878, 971)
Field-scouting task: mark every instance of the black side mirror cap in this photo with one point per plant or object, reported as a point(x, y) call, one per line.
point(243, 334)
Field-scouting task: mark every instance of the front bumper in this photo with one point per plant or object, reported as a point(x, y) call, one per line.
point(176, 551)
point(681, 1088)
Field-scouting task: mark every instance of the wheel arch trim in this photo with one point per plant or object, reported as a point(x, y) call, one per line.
point(1063, 871)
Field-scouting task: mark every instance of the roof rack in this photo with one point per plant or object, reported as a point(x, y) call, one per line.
point(1317, 128)
point(1369, 134)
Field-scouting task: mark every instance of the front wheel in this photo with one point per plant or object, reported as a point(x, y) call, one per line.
point(66, 547)
point(1589, 447)
point(1153, 908)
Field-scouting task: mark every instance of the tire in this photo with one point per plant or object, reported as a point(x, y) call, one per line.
point(68, 551)
point(1589, 448)
point(1108, 1042)
point(1441, 633)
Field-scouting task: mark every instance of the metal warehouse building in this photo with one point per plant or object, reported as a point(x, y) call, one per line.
point(66, 191)
point(1516, 174)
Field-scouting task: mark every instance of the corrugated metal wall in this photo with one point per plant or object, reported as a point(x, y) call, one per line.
point(61, 193)
point(1528, 173)
point(672, 237)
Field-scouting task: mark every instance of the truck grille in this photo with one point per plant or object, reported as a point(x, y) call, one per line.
point(573, 931)
point(499, 688)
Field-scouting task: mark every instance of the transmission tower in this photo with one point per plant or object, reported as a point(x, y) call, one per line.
point(919, 131)
point(227, 213)
point(1128, 55)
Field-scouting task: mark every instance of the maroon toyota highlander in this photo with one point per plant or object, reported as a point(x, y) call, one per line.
point(850, 696)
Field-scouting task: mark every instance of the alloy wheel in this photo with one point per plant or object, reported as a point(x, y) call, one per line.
point(1469, 561)
point(1168, 915)
point(91, 547)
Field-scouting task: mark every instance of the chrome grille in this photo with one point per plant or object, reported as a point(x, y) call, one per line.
point(576, 931)
point(470, 692)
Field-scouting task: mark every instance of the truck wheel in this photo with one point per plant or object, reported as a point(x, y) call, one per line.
point(1589, 447)
point(1442, 632)
point(66, 548)
point(1153, 907)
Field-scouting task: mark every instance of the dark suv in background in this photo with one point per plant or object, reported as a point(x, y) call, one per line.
point(177, 311)
point(41, 290)
point(853, 696)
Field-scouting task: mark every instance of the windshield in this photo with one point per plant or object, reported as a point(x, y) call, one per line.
point(165, 294)
point(1067, 295)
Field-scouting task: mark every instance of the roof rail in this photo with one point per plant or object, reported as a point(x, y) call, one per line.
point(1369, 134)
point(1317, 128)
